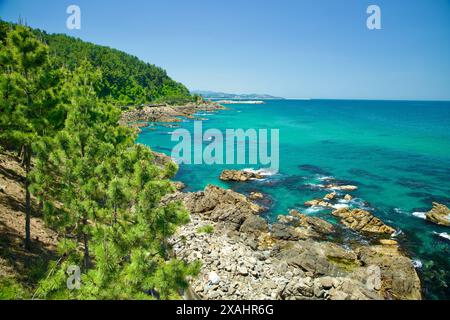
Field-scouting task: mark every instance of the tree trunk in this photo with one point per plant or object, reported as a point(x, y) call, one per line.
point(27, 158)
point(87, 259)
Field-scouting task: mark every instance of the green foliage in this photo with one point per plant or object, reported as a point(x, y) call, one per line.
point(100, 190)
point(206, 229)
point(10, 289)
point(126, 79)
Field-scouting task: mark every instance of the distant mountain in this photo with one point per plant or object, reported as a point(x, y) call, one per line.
point(233, 96)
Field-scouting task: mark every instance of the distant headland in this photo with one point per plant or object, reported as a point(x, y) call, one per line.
point(232, 96)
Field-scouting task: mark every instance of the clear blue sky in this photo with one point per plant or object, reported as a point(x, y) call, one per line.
point(297, 48)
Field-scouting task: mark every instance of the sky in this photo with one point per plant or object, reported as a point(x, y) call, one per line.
point(318, 49)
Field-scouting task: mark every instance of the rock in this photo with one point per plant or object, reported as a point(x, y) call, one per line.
point(242, 271)
point(256, 196)
point(388, 242)
point(285, 232)
point(318, 203)
point(326, 282)
point(254, 225)
point(239, 175)
point(218, 204)
point(399, 279)
point(439, 214)
point(363, 221)
point(213, 278)
point(317, 224)
point(348, 197)
point(341, 188)
point(330, 196)
point(178, 185)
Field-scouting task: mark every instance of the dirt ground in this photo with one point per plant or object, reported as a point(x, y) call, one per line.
point(15, 261)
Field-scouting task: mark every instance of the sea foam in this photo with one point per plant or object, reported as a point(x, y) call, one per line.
point(420, 215)
point(444, 235)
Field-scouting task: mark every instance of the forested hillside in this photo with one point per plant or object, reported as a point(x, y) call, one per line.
point(126, 79)
point(82, 174)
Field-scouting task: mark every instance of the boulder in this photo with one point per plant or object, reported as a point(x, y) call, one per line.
point(317, 224)
point(254, 225)
point(330, 196)
point(439, 214)
point(348, 197)
point(256, 196)
point(363, 221)
point(399, 279)
point(239, 175)
point(318, 203)
point(217, 204)
point(178, 185)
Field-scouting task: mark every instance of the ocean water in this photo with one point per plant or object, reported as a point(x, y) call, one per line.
point(396, 152)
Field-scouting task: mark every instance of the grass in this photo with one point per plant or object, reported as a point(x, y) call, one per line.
point(206, 229)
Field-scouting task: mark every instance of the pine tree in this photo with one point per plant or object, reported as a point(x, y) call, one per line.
point(107, 191)
point(29, 102)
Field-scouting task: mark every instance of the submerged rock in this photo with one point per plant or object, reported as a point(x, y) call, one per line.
point(361, 220)
point(239, 175)
point(439, 214)
point(256, 195)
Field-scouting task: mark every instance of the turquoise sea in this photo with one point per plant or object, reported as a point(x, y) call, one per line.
point(396, 152)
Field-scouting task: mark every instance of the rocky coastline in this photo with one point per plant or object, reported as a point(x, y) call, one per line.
point(140, 116)
point(297, 257)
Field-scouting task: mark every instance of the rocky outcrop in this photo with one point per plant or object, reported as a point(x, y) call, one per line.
point(239, 175)
point(165, 113)
point(399, 279)
point(439, 214)
point(318, 203)
point(218, 204)
point(246, 258)
point(363, 221)
point(330, 196)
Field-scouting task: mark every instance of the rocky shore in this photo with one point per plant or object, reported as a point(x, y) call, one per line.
point(140, 116)
point(297, 257)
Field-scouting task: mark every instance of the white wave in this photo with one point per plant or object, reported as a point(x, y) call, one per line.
point(325, 178)
point(315, 186)
point(262, 172)
point(340, 206)
point(396, 233)
point(417, 263)
point(313, 209)
point(444, 235)
point(420, 215)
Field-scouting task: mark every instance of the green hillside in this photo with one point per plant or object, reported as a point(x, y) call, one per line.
point(126, 79)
